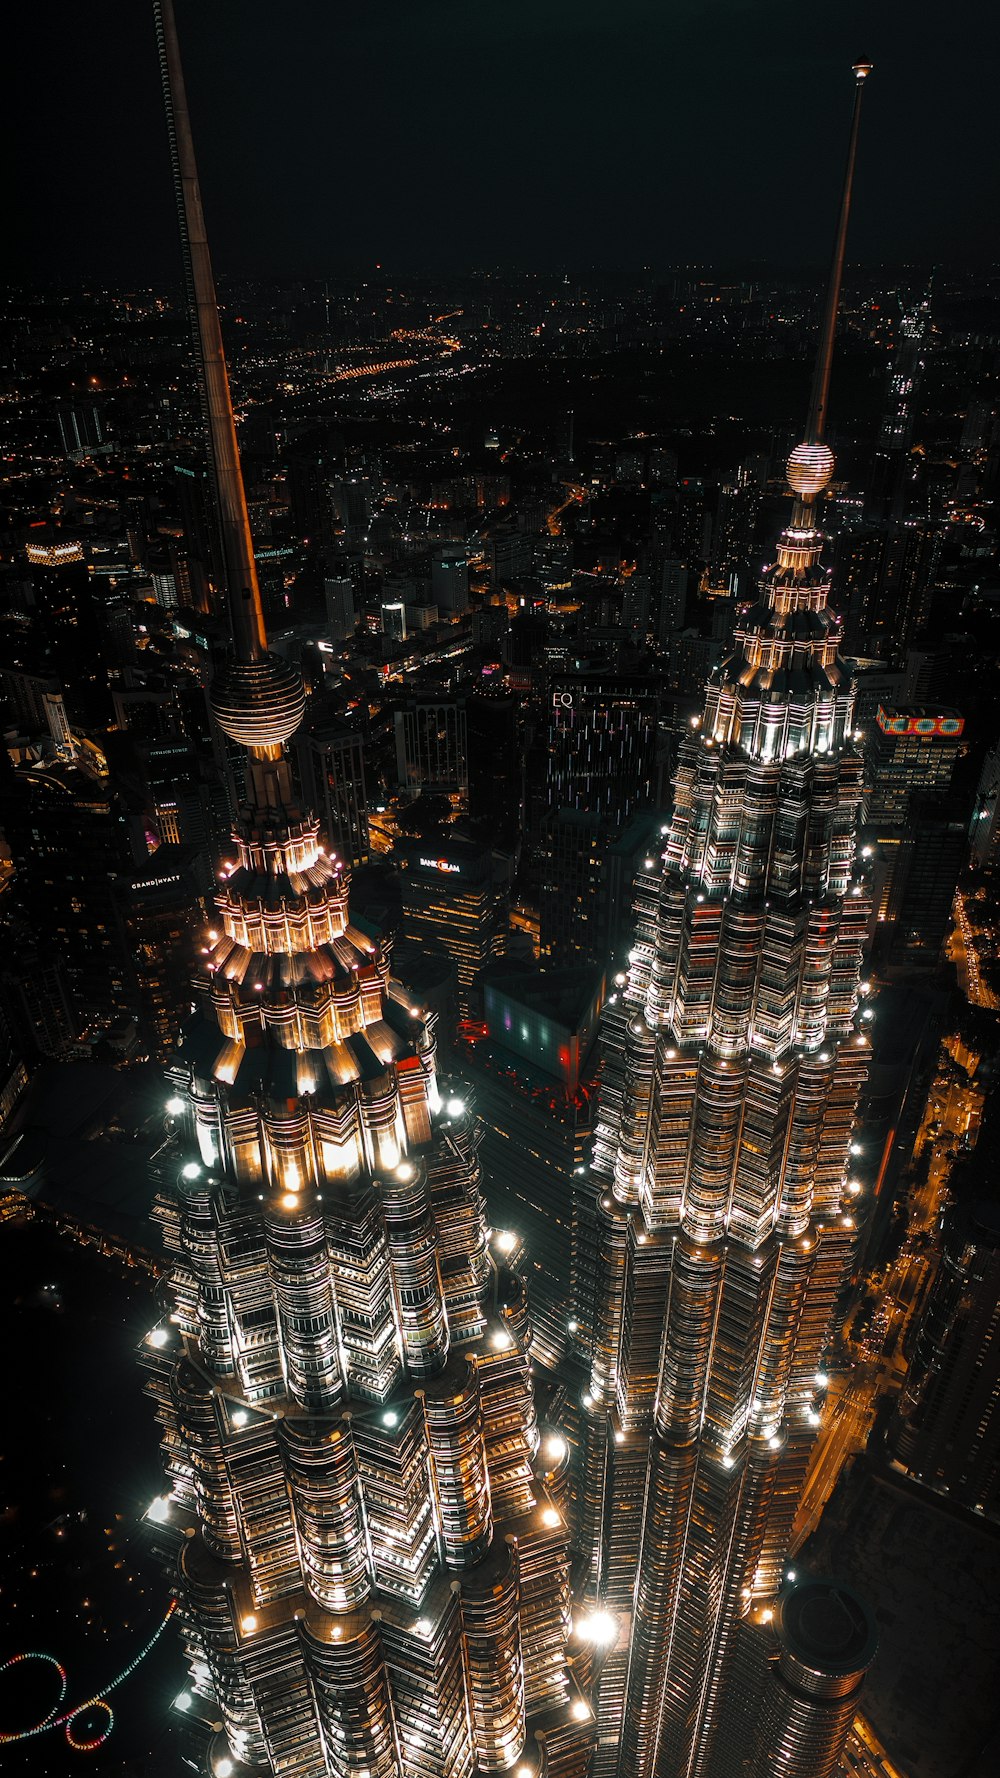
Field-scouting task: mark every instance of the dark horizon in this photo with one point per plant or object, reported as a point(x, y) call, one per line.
point(449, 138)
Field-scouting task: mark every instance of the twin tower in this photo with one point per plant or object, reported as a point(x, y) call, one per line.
point(386, 1564)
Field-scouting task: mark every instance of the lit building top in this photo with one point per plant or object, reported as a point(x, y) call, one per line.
point(372, 1566)
point(727, 1214)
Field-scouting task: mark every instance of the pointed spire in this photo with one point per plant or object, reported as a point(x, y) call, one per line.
point(811, 464)
point(239, 567)
point(816, 423)
point(258, 700)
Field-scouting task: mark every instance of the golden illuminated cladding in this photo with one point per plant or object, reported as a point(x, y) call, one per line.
point(293, 925)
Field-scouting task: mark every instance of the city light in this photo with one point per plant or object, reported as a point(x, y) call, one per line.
point(670, 1268)
point(598, 1627)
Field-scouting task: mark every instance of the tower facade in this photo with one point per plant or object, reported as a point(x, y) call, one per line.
point(733, 1063)
point(371, 1552)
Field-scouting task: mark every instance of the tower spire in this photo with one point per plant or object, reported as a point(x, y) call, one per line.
point(257, 699)
point(240, 570)
point(816, 424)
point(810, 465)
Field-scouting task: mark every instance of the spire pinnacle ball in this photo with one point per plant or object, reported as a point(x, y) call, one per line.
point(809, 468)
point(258, 703)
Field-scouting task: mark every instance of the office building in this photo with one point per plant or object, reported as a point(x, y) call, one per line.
point(496, 765)
point(673, 591)
point(984, 827)
point(910, 749)
point(450, 902)
point(81, 426)
point(331, 761)
point(532, 1064)
point(890, 494)
point(450, 579)
point(371, 1564)
point(946, 1430)
point(341, 606)
point(158, 913)
point(917, 872)
point(918, 836)
point(824, 1640)
point(733, 1064)
point(602, 742)
point(432, 750)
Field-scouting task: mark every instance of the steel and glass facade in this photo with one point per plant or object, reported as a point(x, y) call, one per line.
point(733, 1063)
point(372, 1565)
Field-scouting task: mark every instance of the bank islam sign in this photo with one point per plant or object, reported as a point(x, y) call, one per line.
point(440, 864)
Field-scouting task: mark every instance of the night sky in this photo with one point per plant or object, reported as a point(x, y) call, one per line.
point(443, 134)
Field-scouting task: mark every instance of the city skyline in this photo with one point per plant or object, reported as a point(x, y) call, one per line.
point(500, 905)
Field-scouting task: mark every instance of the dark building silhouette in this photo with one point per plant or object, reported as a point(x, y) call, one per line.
point(946, 1431)
point(331, 761)
point(532, 1065)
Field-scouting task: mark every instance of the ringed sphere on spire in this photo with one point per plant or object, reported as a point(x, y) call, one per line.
point(258, 703)
point(809, 469)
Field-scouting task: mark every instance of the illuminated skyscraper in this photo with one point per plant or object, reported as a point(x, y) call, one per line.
point(372, 1574)
point(733, 1064)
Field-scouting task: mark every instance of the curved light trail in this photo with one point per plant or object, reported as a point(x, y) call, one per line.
point(58, 1718)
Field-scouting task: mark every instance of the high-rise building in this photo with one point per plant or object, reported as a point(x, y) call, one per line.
point(450, 579)
point(157, 910)
point(70, 844)
point(496, 765)
point(824, 1641)
point(918, 836)
point(450, 902)
point(341, 606)
point(532, 1064)
point(888, 495)
point(602, 739)
point(331, 759)
point(81, 426)
point(372, 1569)
point(432, 750)
point(910, 749)
point(984, 827)
point(673, 589)
point(732, 1068)
point(946, 1431)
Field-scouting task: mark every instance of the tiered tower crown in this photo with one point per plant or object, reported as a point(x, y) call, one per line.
point(726, 1209)
point(369, 1527)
